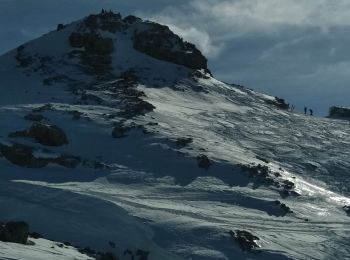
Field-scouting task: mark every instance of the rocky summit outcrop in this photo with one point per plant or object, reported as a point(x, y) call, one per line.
point(153, 39)
point(339, 112)
point(161, 43)
point(95, 42)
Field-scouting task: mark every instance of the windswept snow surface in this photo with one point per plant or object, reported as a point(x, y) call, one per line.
point(153, 196)
point(40, 249)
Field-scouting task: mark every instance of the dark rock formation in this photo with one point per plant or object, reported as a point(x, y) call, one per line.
point(200, 74)
point(283, 206)
point(15, 134)
point(14, 232)
point(128, 252)
point(108, 256)
point(97, 45)
point(93, 43)
point(35, 235)
point(120, 131)
point(60, 27)
point(278, 102)
point(140, 254)
point(203, 161)
point(49, 135)
point(182, 142)
point(21, 155)
point(258, 171)
point(22, 58)
point(77, 40)
point(143, 255)
point(161, 43)
point(262, 175)
point(130, 19)
point(95, 56)
point(89, 251)
point(286, 208)
point(288, 185)
point(339, 112)
point(262, 159)
point(43, 108)
point(105, 21)
point(245, 240)
point(67, 161)
point(140, 107)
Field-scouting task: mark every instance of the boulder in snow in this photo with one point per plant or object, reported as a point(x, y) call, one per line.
point(50, 135)
point(120, 131)
point(182, 142)
point(21, 155)
point(245, 239)
point(67, 161)
point(14, 232)
point(203, 161)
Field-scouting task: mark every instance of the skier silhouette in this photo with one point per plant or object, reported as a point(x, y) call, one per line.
point(305, 110)
point(311, 112)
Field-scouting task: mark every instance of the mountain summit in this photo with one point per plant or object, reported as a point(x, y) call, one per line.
point(115, 137)
point(106, 46)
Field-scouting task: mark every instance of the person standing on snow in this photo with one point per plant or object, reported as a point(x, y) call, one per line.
point(305, 110)
point(311, 112)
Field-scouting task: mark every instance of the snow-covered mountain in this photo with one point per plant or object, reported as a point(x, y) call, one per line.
point(115, 135)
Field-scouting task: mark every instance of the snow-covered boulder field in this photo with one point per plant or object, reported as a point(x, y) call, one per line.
point(115, 137)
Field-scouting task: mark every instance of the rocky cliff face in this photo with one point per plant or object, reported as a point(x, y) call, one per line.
point(160, 42)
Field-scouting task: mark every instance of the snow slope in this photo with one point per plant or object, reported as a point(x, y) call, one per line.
point(151, 193)
point(40, 249)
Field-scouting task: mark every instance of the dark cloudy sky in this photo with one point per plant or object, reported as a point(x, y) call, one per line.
point(297, 49)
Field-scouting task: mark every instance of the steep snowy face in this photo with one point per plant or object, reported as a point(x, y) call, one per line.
point(114, 135)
